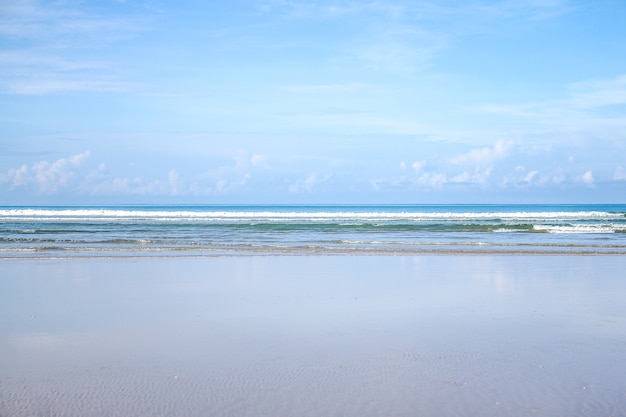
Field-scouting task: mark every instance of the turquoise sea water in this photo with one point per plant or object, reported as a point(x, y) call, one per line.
point(329, 229)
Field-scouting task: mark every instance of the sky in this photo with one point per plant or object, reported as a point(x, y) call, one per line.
point(312, 102)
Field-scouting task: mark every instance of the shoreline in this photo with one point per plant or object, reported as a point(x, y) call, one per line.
point(347, 253)
point(313, 230)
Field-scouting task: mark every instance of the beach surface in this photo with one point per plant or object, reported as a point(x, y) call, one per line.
point(430, 335)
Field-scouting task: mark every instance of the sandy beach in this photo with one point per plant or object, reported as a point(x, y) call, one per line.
point(445, 335)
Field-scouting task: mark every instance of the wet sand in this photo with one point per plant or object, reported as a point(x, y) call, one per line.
point(450, 335)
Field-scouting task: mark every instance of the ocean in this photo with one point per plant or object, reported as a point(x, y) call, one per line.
point(216, 230)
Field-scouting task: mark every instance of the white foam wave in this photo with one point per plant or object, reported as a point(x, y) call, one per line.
point(278, 216)
point(579, 228)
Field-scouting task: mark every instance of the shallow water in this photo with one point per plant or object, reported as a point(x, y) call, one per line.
point(37, 232)
point(313, 336)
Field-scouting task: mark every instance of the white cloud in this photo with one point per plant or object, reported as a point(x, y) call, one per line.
point(259, 161)
point(432, 179)
point(478, 177)
point(587, 178)
point(47, 177)
point(619, 174)
point(126, 186)
point(100, 182)
point(175, 182)
point(309, 183)
point(69, 174)
point(485, 155)
point(213, 183)
point(417, 165)
point(530, 176)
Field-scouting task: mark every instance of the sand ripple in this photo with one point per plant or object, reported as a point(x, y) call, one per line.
point(395, 383)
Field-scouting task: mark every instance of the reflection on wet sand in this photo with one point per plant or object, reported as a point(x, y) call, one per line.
point(306, 335)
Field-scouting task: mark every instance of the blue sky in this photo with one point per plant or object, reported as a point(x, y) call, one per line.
point(288, 101)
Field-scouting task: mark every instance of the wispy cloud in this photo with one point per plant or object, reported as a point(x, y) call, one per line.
point(508, 9)
point(38, 86)
point(425, 9)
point(53, 46)
point(298, 9)
point(329, 88)
point(585, 106)
point(598, 93)
point(51, 22)
point(398, 36)
point(580, 98)
point(398, 51)
point(619, 174)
